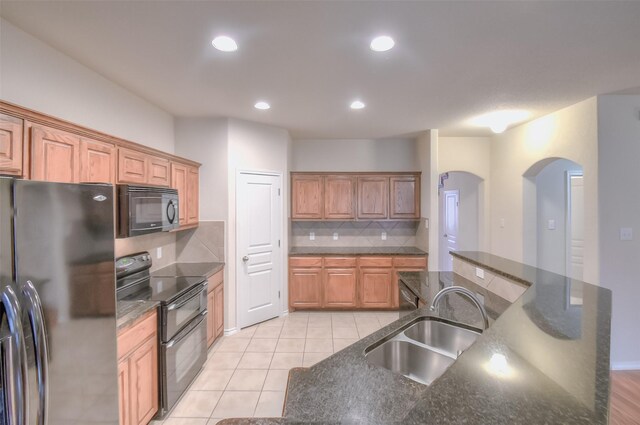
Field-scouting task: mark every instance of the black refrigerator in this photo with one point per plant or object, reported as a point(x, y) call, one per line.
point(58, 354)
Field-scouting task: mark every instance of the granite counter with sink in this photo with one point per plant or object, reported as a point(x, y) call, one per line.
point(545, 359)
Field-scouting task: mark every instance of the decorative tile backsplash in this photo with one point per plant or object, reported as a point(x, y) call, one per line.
point(202, 244)
point(354, 233)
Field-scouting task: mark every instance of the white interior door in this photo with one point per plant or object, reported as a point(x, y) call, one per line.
point(575, 254)
point(450, 205)
point(259, 263)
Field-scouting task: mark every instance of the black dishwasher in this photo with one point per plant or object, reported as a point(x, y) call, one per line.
point(408, 300)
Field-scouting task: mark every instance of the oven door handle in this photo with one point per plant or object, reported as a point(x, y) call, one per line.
point(183, 334)
point(177, 305)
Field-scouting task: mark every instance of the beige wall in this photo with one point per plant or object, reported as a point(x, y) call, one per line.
point(618, 155)
point(570, 133)
point(36, 76)
point(354, 155)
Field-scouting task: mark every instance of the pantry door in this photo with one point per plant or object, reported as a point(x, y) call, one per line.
point(259, 263)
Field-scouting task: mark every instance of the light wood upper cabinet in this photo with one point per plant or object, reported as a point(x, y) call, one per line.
point(339, 197)
point(193, 188)
point(179, 182)
point(373, 197)
point(98, 162)
point(133, 166)
point(307, 195)
point(55, 155)
point(11, 143)
point(404, 197)
point(159, 171)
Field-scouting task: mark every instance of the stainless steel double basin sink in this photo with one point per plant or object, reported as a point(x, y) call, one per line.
point(423, 350)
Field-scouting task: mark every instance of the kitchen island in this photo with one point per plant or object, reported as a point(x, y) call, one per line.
point(552, 344)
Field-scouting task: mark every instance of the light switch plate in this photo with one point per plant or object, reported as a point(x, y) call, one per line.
point(383, 236)
point(335, 236)
point(426, 223)
point(626, 234)
point(502, 223)
point(159, 252)
point(551, 224)
point(312, 236)
point(480, 272)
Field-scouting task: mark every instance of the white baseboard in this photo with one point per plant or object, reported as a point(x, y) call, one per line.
point(229, 332)
point(625, 366)
point(284, 313)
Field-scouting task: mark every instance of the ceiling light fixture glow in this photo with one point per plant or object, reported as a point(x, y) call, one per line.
point(498, 121)
point(382, 43)
point(357, 104)
point(262, 105)
point(224, 43)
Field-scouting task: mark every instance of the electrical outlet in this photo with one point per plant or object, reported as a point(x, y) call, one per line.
point(335, 236)
point(383, 236)
point(426, 223)
point(551, 224)
point(502, 223)
point(626, 234)
point(159, 252)
point(312, 236)
point(480, 272)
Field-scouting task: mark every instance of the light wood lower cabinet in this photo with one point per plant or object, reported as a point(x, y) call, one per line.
point(215, 307)
point(352, 282)
point(138, 371)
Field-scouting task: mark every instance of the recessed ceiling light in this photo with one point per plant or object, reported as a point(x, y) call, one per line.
point(356, 104)
point(498, 121)
point(262, 105)
point(382, 43)
point(224, 43)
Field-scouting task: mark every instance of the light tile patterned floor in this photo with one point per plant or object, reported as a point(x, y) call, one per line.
point(246, 373)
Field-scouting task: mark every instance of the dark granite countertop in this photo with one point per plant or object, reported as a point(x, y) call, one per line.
point(354, 250)
point(545, 360)
point(128, 312)
point(190, 269)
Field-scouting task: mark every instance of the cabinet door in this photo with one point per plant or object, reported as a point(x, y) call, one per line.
point(55, 155)
point(405, 197)
point(305, 287)
point(132, 166)
point(124, 391)
point(159, 171)
point(339, 197)
point(307, 197)
point(193, 187)
point(97, 162)
point(339, 287)
point(376, 288)
point(179, 182)
point(144, 380)
point(11, 145)
point(373, 197)
point(219, 310)
point(211, 323)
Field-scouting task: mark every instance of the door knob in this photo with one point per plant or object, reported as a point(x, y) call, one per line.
point(245, 258)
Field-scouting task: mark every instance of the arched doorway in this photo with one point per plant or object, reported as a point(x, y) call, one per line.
point(461, 200)
point(554, 216)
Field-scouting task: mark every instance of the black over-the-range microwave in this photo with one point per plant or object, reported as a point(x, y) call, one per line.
point(146, 209)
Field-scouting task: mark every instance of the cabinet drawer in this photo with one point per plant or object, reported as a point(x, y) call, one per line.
point(376, 261)
point(413, 262)
point(305, 261)
point(134, 335)
point(215, 280)
point(340, 262)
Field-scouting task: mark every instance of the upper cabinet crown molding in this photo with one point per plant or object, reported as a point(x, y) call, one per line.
point(355, 196)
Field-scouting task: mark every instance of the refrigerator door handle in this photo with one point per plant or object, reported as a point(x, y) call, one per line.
point(17, 396)
point(34, 309)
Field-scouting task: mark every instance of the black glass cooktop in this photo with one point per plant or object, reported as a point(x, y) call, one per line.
point(163, 289)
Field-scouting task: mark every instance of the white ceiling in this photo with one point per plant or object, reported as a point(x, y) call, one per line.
point(453, 60)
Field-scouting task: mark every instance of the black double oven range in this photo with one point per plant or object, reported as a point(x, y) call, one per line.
point(182, 327)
